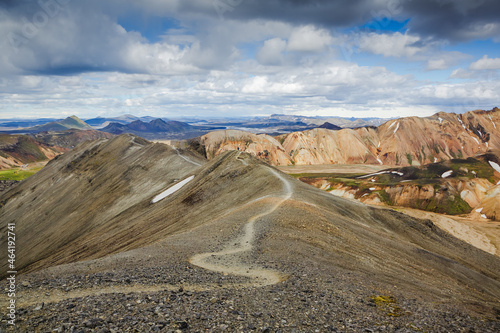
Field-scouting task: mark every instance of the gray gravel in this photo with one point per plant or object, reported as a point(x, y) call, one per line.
point(306, 302)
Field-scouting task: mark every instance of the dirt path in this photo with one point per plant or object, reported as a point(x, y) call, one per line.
point(228, 261)
point(332, 168)
point(185, 158)
point(45, 295)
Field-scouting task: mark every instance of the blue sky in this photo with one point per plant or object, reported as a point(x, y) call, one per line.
point(216, 58)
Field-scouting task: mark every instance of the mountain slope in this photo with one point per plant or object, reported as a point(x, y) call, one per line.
point(405, 141)
point(451, 187)
point(71, 138)
point(77, 204)
point(264, 146)
point(16, 150)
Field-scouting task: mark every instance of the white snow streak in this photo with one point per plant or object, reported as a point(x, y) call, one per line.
point(380, 173)
point(494, 166)
point(493, 122)
point(171, 190)
point(447, 174)
point(397, 127)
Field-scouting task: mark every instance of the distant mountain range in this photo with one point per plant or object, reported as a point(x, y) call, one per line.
point(159, 129)
point(72, 122)
point(101, 122)
point(342, 122)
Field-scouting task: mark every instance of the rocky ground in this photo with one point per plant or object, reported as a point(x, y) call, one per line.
point(189, 299)
point(6, 184)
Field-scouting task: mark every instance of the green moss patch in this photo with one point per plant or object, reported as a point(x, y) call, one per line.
point(17, 174)
point(387, 304)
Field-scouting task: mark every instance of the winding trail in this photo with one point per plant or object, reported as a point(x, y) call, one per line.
point(185, 158)
point(227, 261)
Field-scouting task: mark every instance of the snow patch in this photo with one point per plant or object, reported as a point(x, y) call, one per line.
point(171, 190)
point(435, 159)
point(397, 127)
point(479, 210)
point(447, 174)
point(484, 216)
point(392, 125)
point(373, 180)
point(476, 140)
point(440, 120)
point(372, 188)
point(462, 123)
point(380, 173)
point(378, 159)
point(494, 166)
point(492, 122)
point(379, 144)
point(373, 174)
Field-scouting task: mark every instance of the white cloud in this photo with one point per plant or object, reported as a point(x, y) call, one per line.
point(272, 52)
point(390, 45)
point(437, 64)
point(443, 60)
point(309, 39)
point(206, 67)
point(461, 73)
point(485, 63)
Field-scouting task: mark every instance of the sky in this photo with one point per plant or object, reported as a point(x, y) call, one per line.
point(232, 58)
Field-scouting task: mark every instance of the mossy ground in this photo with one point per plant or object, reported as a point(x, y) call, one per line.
point(17, 174)
point(430, 174)
point(388, 304)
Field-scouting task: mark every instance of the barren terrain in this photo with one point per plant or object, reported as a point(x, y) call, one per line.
point(241, 247)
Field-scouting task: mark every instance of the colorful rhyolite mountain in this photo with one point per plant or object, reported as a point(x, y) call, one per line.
point(405, 141)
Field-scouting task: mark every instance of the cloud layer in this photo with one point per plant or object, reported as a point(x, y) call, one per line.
point(241, 57)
